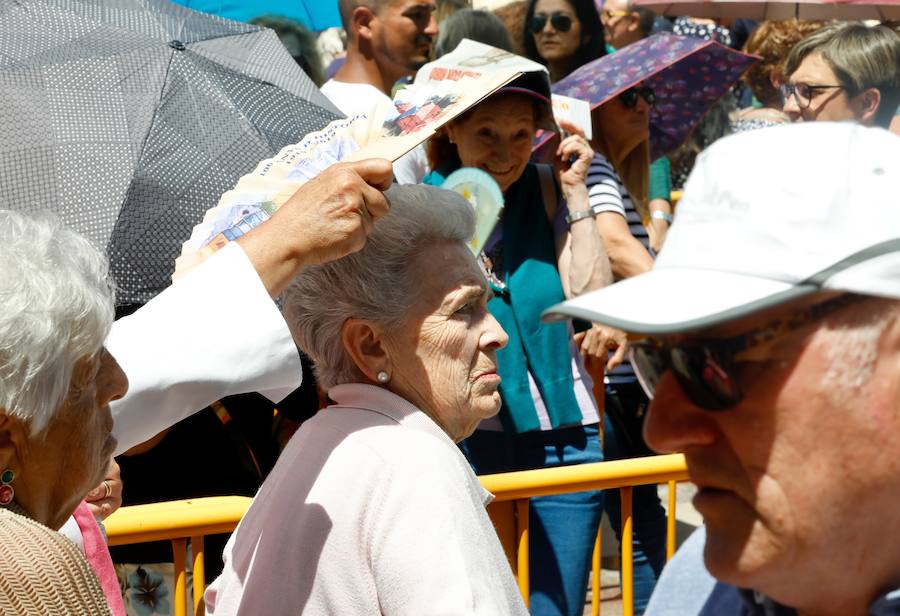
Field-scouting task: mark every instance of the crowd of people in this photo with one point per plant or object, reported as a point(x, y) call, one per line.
point(760, 315)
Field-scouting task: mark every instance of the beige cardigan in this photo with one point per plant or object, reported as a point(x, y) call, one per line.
point(42, 573)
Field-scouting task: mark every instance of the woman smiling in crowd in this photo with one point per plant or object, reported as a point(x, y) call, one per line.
point(544, 248)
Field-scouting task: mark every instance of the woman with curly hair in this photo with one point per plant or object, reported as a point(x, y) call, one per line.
point(773, 41)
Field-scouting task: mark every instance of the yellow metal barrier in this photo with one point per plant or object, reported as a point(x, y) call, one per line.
point(179, 520)
point(624, 474)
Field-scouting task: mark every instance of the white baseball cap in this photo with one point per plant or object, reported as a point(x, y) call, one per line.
point(767, 216)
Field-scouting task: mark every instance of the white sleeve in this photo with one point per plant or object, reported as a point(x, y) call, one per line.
point(412, 166)
point(213, 334)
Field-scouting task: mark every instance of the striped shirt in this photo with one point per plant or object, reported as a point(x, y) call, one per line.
point(607, 193)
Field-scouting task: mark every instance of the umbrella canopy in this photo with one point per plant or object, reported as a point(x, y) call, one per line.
point(314, 14)
point(688, 76)
point(882, 10)
point(130, 118)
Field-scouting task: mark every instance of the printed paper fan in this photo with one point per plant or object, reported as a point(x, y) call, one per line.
point(483, 192)
point(442, 90)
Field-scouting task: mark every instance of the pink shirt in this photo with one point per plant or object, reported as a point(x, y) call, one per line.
point(371, 509)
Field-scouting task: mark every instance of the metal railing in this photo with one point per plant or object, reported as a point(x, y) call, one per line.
point(518, 487)
point(178, 521)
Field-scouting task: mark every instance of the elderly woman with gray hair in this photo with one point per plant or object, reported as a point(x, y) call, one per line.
point(371, 508)
point(56, 383)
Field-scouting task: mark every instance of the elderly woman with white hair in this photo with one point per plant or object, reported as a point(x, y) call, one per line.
point(56, 383)
point(58, 380)
point(371, 508)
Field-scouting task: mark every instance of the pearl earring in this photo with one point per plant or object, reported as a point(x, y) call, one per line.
point(383, 377)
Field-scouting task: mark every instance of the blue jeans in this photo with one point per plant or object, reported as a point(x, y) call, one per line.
point(648, 515)
point(562, 527)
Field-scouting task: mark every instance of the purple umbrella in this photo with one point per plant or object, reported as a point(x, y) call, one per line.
point(687, 74)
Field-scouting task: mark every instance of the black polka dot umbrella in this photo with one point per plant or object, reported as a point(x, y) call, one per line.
point(130, 118)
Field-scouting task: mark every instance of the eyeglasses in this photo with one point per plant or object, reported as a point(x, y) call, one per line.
point(706, 369)
point(803, 92)
point(630, 96)
point(611, 14)
point(560, 22)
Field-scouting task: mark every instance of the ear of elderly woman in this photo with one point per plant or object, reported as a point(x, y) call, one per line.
point(58, 381)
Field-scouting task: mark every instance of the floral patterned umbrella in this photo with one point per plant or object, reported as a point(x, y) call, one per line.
point(688, 76)
point(882, 10)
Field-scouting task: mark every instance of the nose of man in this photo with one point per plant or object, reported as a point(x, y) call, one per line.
point(674, 423)
point(432, 28)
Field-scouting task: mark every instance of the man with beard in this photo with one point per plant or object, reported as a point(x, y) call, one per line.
point(387, 40)
point(773, 366)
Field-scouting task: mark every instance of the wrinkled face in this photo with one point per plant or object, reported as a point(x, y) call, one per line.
point(552, 44)
point(618, 27)
point(404, 31)
point(443, 359)
point(496, 137)
point(72, 455)
point(624, 128)
point(797, 468)
point(831, 104)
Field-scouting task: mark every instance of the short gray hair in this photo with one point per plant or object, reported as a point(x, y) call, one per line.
point(56, 307)
point(375, 284)
point(861, 57)
point(852, 353)
point(480, 26)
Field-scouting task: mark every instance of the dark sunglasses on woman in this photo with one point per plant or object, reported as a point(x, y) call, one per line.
point(560, 22)
point(630, 96)
point(706, 369)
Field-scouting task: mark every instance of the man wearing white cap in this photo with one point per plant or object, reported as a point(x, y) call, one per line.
point(774, 365)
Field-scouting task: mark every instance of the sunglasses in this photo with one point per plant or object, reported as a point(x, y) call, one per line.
point(706, 369)
point(630, 96)
point(560, 22)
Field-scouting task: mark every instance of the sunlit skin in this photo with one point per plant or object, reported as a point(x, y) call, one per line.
point(834, 104)
point(404, 32)
point(56, 469)
point(496, 137)
point(623, 128)
point(443, 358)
point(785, 477)
point(619, 30)
point(389, 44)
point(555, 47)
